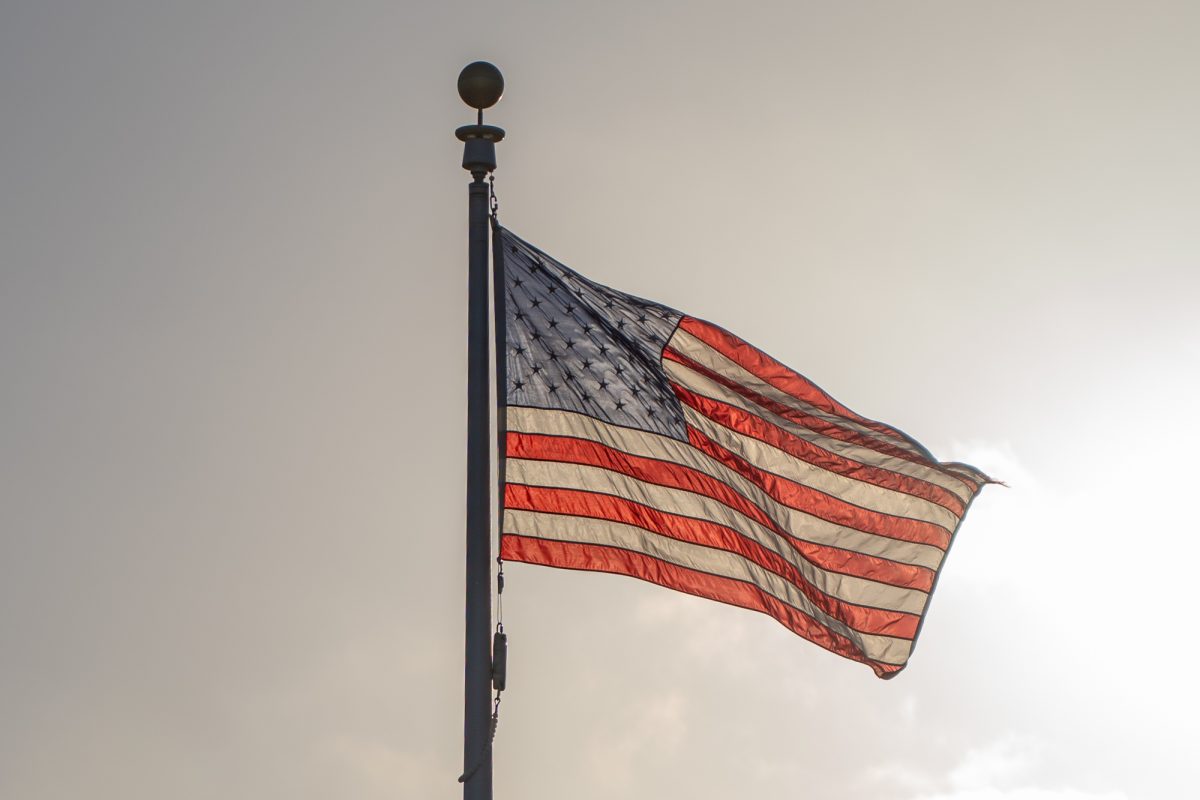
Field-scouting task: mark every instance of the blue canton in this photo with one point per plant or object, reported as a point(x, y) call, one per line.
point(576, 345)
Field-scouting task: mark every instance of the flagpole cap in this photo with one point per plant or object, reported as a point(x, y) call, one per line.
point(480, 85)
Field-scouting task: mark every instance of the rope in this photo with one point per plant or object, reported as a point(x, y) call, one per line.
point(495, 722)
point(466, 776)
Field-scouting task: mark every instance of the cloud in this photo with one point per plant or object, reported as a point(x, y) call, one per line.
point(1023, 793)
point(997, 459)
point(1001, 771)
point(996, 763)
point(644, 732)
point(376, 769)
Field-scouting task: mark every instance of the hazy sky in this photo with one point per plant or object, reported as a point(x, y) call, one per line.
point(232, 417)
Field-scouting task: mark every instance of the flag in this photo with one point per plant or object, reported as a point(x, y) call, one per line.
point(641, 441)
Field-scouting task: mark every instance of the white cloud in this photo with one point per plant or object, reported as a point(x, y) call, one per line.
point(997, 459)
point(999, 762)
point(1023, 793)
point(1001, 771)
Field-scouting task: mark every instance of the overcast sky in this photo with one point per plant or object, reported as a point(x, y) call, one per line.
point(232, 409)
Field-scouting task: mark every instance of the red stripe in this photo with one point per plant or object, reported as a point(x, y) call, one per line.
point(571, 555)
point(821, 426)
point(665, 473)
point(778, 375)
point(576, 503)
point(754, 426)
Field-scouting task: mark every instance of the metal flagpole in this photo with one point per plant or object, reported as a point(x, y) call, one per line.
point(480, 86)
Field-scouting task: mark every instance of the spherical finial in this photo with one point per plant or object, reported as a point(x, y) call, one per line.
point(480, 85)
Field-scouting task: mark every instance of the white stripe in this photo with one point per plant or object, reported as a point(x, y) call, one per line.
point(797, 523)
point(769, 458)
point(706, 355)
point(699, 384)
point(584, 530)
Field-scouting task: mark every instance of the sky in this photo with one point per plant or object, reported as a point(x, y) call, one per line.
point(232, 415)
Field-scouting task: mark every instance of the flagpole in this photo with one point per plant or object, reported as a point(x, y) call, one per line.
point(480, 86)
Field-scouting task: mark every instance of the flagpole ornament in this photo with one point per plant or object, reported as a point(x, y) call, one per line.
point(480, 85)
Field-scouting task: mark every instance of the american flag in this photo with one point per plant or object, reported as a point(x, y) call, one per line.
point(645, 442)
